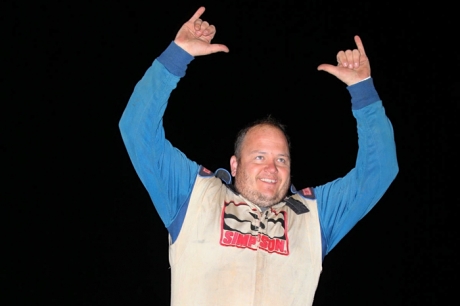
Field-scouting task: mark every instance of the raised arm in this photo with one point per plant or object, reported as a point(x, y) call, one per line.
point(343, 202)
point(167, 174)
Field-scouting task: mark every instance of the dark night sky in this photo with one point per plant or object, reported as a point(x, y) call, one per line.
point(83, 230)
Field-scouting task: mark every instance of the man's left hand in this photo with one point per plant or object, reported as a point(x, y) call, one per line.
point(352, 65)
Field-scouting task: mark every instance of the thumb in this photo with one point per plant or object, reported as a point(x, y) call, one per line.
point(218, 48)
point(328, 68)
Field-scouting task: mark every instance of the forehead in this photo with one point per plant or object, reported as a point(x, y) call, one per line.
point(264, 136)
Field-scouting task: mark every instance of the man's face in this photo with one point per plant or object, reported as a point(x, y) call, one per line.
point(262, 174)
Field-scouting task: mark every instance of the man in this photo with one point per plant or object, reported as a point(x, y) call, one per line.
point(251, 243)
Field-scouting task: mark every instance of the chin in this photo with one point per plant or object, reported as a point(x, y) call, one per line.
point(263, 200)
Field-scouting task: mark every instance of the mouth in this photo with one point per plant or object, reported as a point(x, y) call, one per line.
point(269, 181)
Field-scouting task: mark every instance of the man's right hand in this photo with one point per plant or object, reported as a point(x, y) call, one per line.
point(195, 36)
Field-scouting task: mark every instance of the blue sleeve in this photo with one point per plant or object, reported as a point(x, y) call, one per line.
point(167, 174)
point(343, 202)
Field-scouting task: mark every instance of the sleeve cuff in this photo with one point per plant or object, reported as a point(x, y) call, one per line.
point(175, 59)
point(363, 93)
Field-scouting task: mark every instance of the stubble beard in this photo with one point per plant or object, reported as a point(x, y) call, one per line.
point(242, 186)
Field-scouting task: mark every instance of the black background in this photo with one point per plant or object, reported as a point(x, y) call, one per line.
point(80, 228)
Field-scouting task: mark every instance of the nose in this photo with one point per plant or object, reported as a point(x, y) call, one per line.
point(271, 167)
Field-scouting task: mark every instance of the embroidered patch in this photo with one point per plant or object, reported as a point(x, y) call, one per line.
point(307, 193)
point(205, 172)
point(244, 227)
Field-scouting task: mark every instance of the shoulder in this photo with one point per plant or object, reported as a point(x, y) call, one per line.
point(220, 173)
point(300, 201)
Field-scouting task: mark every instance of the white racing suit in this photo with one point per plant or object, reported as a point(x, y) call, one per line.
point(225, 250)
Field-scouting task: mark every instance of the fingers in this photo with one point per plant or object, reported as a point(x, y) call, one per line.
point(204, 28)
point(197, 14)
point(359, 45)
point(348, 59)
point(210, 31)
point(195, 36)
point(200, 25)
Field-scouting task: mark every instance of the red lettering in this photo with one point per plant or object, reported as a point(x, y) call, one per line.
point(263, 242)
point(235, 238)
point(242, 240)
point(227, 239)
point(271, 245)
point(249, 241)
point(252, 241)
point(279, 246)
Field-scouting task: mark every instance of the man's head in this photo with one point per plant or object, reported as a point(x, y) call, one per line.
point(262, 164)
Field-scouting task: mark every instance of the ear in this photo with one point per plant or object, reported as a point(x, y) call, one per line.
point(233, 165)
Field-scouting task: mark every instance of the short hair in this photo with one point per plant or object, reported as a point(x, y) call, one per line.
point(270, 121)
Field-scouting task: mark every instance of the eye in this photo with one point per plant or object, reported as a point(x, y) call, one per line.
point(259, 157)
point(282, 160)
